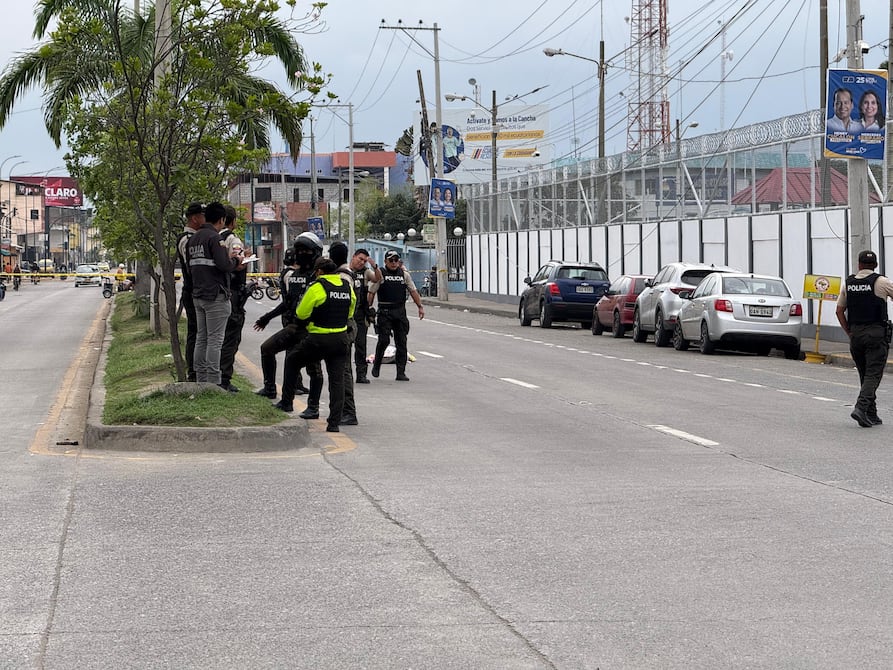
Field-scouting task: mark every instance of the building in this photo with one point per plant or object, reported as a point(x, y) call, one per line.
point(280, 199)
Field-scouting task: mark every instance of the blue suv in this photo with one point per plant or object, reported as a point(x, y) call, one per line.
point(563, 291)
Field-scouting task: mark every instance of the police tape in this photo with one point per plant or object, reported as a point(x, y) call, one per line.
point(128, 275)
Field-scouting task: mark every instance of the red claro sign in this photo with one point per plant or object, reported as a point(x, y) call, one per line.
point(58, 191)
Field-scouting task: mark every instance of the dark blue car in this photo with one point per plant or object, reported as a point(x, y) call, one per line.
point(563, 291)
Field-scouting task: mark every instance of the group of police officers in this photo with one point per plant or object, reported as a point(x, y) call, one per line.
point(326, 308)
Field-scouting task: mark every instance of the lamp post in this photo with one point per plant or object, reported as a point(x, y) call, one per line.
point(494, 134)
point(680, 184)
point(602, 69)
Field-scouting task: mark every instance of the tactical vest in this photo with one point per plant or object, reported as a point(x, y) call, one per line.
point(361, 289)
point(393, 288)
point(292, 288)
point(333, 313)
point(184, 264)
point(862, 305)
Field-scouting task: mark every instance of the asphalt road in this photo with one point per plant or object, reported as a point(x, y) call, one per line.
point(531, 499)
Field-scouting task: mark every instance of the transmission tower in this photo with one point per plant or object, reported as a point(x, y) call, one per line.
point(648, 123)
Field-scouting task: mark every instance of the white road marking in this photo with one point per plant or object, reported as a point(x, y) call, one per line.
point(429, 354)
point(823, 399)
point(518, 382)
point(682, 435)
point(788, 391)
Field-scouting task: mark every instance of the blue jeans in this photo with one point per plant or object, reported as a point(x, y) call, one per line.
point(211, 317)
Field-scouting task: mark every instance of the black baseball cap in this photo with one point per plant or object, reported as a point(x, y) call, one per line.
point(392, 254)
point(868, 258)
point(195, 208)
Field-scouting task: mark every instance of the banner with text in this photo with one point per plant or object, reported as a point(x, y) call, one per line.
point(855, 119)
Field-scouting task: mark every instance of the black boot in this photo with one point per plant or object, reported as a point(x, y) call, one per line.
point(267, 391)
point(312, 411)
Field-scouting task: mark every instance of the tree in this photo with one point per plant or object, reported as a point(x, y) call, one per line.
point(143, 145)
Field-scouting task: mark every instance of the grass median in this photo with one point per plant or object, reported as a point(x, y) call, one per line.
point(139, 365)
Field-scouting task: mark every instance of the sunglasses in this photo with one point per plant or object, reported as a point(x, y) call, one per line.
point(391, 260)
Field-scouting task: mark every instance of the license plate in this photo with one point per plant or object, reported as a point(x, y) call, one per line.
point(585, 289)
point(757, 310)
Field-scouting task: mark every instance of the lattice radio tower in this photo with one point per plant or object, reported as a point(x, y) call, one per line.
point(648, 122)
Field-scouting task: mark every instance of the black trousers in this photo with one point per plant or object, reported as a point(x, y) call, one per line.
point(282, 340)
point(359, 348)
point(869, 348)
point(350, 406)
point(314, 348)
point(392, 319)
point(231, 341)
point(191, 332)
point(291, 376)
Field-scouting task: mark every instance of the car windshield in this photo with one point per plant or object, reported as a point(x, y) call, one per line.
point(755, 286)
point(86, 268)
point(582, 274)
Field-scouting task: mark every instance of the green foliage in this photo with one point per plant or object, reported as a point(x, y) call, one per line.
point(406, 143)
point(149, 133)
point(139, 364)
point(391, 214)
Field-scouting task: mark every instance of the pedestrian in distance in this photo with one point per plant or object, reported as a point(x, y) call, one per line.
point(395, 286)
point(195, 219)
point(327, 307)
point(862, 313)
point(210, 266)
point(238, 281)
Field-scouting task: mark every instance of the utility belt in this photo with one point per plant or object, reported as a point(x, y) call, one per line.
point(888, 328)
point(391, 306)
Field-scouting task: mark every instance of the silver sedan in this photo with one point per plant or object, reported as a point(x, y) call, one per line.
point(745, 312)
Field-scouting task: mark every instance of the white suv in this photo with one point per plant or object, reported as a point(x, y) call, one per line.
point(659, 303)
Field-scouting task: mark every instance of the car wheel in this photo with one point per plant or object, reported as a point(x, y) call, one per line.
point(705, 344)
point(522, 316)
point(545, 315)
point(597, 327)
point(763, 350)
point(617, 327)
point(661, 334)
point(679, 341)
point(792, 353)
point(639, 335)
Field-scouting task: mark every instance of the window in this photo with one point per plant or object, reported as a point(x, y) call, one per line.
point(264, 194)
point(296, 195)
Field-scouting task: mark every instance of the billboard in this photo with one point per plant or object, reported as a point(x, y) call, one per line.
point(443, 199)
point(58, 191)
point(468, 143)
point(855, 119)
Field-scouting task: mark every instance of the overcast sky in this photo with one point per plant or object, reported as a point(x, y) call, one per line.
point(772, 70)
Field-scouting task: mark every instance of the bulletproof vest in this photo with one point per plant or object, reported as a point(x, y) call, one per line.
point(862, 305)
point(333, 313)
point(393, 287)
point(184, 263)
point(292, 289)
point(361, 290)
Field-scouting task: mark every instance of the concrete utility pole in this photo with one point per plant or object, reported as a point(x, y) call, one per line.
point(857, 172)
point(443, 289)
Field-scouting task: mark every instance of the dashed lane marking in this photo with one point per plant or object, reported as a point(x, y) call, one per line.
point(682, 435)
point(518, 382)
point(429, 354)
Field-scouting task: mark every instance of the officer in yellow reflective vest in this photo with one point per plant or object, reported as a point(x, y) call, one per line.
point(327, 305)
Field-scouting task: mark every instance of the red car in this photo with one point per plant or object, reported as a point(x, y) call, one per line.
point(615, 310)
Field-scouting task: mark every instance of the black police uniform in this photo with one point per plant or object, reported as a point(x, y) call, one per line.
point(391, 318)
point(188, 303)
point(361, 317)
point(867, 318)
point(238, 281)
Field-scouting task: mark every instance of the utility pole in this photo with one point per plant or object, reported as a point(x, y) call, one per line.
point(443, 291)
point(857, 169)
point(314, 197)
point(494, 179)
point(823, 102)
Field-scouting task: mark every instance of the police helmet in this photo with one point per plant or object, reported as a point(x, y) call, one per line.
point(308, 242)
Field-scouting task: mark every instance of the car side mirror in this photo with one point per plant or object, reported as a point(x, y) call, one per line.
point(527, 280)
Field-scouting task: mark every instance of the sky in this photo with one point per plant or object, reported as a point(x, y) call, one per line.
point(771, 66)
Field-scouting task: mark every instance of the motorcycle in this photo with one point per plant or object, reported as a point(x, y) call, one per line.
point(254, 289)
point(272, 289)
point(108, 288)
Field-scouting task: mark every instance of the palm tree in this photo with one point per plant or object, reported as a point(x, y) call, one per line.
point(83, 62)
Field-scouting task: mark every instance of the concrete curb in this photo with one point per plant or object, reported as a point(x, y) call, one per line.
point(286, 436)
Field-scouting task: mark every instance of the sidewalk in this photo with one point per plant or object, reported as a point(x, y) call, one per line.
point(835, 353)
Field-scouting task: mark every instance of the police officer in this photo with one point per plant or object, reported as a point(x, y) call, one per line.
point(195, 219)
point(392, 291)
point(366, 273)
point(862, 313)
point(307, 249)
point(238, 280)
point(327, 307)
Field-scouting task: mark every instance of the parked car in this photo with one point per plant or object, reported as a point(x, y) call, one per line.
point(86, 275)
point(659, 302)
point(745, 312)
point(563, 291)
point(616, 308)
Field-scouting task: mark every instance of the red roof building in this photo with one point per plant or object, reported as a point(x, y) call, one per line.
point(803, 186)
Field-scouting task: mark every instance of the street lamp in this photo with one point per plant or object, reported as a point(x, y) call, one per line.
point(494, 133)
point(602, 68)
point(680, 185)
